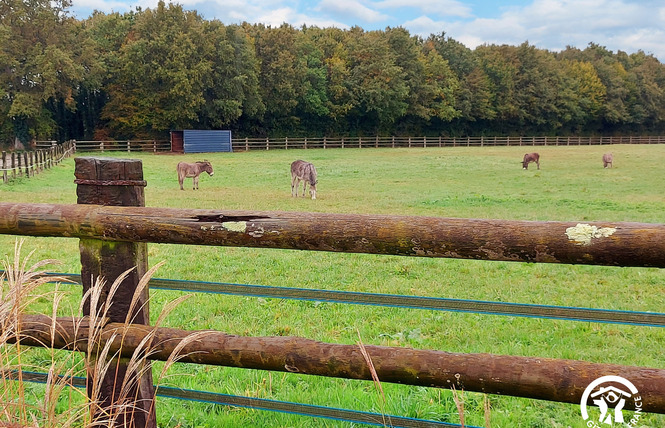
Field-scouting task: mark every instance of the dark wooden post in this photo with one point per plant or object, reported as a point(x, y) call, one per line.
point(110, 181)
point(26, 164)
point(4, 167)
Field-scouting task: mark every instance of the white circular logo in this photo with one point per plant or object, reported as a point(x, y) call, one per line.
point(610, 400)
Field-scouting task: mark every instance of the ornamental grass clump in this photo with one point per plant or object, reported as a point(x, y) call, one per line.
point(61, 401)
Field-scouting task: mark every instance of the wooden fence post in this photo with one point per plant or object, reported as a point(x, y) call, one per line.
point(5, 178)
point(110, 181)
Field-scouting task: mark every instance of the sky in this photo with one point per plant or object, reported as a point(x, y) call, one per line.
point(619, 25)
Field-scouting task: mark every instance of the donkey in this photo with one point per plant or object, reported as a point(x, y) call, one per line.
point(193, 170)
point(531, 157)
point(608, 158)
point(305, 171)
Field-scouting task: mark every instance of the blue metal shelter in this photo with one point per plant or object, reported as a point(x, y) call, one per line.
point(205, 141)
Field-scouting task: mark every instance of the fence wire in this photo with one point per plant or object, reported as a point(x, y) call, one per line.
point(570, 313)
point(345, 415)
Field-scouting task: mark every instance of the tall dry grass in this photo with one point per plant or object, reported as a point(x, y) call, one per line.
point(62, 404)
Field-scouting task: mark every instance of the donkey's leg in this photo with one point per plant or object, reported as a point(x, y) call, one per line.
point(293, 186)
point(195, 183)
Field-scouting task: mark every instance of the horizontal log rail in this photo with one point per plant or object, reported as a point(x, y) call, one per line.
point(595, 243)
point(541, 378)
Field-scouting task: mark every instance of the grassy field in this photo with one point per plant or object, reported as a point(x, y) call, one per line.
point(448, 182)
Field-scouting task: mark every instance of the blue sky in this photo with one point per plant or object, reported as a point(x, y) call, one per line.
point(627, 25)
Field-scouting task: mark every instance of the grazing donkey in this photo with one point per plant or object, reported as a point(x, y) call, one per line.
point(193, 170)
point(608, 158)
point(305, 171)
point(531, 157)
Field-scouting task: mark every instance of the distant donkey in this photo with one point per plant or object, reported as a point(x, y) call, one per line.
point(193, 170)
point(305, 171)
point(530, 157)
point(608, 158)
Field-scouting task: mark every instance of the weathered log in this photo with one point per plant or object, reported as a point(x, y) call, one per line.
point(597, 243)
point(539, 378)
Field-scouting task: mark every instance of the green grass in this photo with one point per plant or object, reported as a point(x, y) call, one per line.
point(448, 182)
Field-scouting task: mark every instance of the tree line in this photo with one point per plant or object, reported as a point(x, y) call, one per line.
point(144, 73)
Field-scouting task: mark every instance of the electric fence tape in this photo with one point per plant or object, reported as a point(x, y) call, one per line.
point(345, 415)
point(651, 319)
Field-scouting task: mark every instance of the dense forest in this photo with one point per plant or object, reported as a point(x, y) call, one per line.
point(143, 73)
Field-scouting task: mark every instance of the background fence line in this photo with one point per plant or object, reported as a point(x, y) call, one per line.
point(285, 143)
point(29, 163)
point(246, 144)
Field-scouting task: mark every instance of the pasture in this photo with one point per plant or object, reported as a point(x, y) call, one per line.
point(448, 182)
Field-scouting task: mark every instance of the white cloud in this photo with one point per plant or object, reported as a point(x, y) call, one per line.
point(555, 24)
point(627, 25)
point(350, 10)
point(279, 16)
point(103, 6)
point(440, 8)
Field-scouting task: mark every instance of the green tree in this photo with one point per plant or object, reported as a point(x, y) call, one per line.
point(231, 88)
point(500, 65)
point(473, 93)
point(39, 64)
point(333, 44)
point(157, 84)
point(583, 94)
point(281, 77)
point(313, 104)
point(648, 98)
point(378, 83)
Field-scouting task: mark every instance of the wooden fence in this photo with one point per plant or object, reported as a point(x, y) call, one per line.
point(121, 146)
point(376, 142)
point(246, 144)
point(29, 163)
point(114, 238)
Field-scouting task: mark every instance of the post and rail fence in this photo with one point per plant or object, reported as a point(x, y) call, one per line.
point(246, 144)
point(29, 163)
point(114, 227)
point(285, 143)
